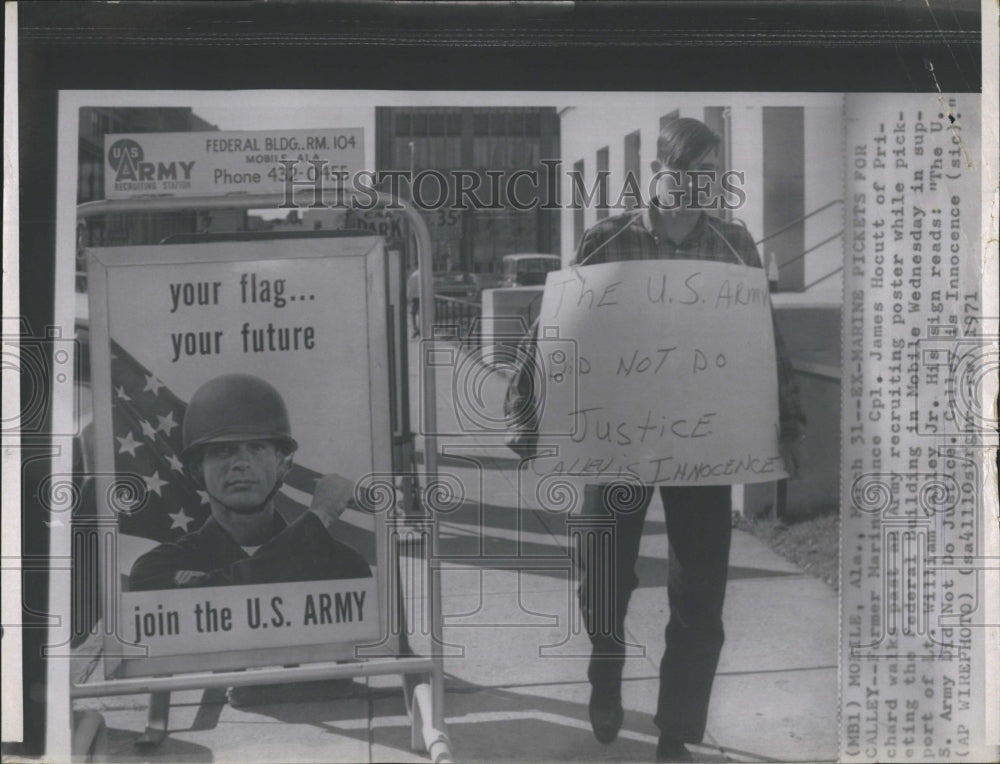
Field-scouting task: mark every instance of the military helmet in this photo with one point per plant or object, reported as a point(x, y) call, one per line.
point(235, 407)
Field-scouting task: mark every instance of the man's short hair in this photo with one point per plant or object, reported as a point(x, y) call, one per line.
point(682, 141)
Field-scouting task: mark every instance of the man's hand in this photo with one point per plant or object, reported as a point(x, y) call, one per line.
point(330, 498)
point(790, 456)
point(189, 578)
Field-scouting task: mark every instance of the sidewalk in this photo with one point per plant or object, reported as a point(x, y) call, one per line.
point(516, 672)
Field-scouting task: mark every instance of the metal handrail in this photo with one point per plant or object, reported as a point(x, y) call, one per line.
point(798, 221)
point(812, 248)
point(459, 300)
point(834, 272)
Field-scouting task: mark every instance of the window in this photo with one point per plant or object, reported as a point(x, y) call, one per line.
point(403, 128)
point(784, 193)
point(669, 117)
point(435, 125)
point(632, 168)
point(717, 120)
point(418, 124)
point(577, 205)
point(602, 183)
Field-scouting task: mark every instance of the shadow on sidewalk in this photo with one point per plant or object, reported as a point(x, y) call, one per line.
point(496, 724)
point(472, 528)
point(121, 747)
point(499, 724)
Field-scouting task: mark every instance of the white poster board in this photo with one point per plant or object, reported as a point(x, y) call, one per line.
point(661, 372)
point(167, 319)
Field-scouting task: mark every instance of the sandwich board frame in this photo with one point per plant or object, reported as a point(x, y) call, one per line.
point(423, 675)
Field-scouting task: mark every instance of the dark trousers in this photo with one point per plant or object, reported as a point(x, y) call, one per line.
point(699, 523)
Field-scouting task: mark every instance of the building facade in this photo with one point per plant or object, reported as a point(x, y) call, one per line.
point(491, 144)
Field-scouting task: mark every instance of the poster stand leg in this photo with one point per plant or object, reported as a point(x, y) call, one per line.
point(90, 737)
point(430, 700)
point(410, 684)
point(425, 702)
point(423, 734)
point(156, 721)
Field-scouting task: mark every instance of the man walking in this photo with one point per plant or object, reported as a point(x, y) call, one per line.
point(698, 518)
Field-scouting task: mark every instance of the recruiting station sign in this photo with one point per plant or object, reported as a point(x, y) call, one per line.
point(227, 162)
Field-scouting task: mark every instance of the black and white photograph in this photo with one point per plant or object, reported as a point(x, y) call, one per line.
point(415, 424)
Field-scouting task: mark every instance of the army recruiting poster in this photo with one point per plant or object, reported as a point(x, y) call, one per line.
point(224, 394)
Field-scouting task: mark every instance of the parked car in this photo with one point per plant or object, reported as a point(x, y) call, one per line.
point(528, 269)
point(456, 284)
point(488, 280)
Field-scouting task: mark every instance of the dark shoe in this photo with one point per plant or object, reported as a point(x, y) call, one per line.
point(672, 749)
point(606, 714)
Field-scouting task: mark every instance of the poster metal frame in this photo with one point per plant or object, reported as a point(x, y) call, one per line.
point(425, 699)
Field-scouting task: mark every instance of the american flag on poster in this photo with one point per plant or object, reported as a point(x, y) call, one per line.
point(147, 417)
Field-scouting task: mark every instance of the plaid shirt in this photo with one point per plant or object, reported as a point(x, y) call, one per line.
point(631, 237)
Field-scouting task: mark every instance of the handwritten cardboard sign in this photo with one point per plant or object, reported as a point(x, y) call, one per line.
point(661, 372)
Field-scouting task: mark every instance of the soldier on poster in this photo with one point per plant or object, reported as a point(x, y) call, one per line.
point(237, 448)
point(236, 462)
